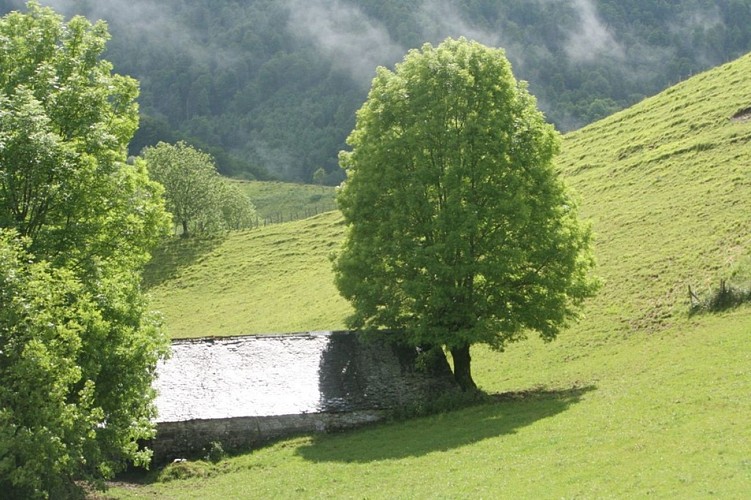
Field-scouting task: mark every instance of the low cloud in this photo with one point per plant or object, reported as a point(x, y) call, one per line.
point(703, 20)
point(354, 42)
point(154, 20)
point(440, 19)
point(591, 38)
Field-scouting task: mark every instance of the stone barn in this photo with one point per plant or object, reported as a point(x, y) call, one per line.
point(245, 391)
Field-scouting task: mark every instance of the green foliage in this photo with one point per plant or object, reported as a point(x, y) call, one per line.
point(460, 231)
point(238, 212)
point(48, 411)
point(78, 225)
point(72, 408)
point(215, 452)
point(153, 130)
point(319, 176)
point(199, 199)
point(64, 125)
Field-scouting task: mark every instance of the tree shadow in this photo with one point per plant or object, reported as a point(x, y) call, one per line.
point(175, 254)
point(504, 415)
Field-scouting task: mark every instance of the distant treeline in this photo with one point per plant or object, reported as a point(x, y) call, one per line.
point(270, 88)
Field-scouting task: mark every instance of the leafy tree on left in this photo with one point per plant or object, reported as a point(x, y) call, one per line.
point(78, 348)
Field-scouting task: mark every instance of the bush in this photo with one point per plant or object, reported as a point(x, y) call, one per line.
point(214, 452)
point(724, 298)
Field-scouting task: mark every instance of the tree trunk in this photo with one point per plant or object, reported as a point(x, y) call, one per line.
point(462, 370)
point(185, 229)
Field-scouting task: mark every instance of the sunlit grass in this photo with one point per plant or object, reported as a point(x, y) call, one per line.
point(647, 415)
point(271, 279)
point(284, 201)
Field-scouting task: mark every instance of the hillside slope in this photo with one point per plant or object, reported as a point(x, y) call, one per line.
point(665, 184)
point(637, 399)
point(285, 201)
point(275, 278)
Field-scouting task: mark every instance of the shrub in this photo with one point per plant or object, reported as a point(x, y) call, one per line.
point(723, 298)
point(214, 452)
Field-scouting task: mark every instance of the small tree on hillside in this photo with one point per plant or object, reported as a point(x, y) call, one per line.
point(319, 176)
point(459, 230)
point(238, 212)
point(199, 199)
point(190, 179)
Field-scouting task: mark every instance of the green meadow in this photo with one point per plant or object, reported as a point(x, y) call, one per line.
point(639, 398)
point(285, 201)
point(272, 279)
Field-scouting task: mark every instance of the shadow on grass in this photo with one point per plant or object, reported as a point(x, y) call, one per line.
point(505, 414)
point(175, 254)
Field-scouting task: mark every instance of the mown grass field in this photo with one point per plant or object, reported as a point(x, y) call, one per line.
point(267, 280)
point(284, 201)
point(638, 399)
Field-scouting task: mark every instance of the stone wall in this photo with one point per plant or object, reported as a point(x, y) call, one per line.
point(192, 438)
point(244, 391)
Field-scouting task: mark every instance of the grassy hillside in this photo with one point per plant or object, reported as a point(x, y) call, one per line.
point(666, 184)
point(284, 201)
point(271, 279)
point(638, 399)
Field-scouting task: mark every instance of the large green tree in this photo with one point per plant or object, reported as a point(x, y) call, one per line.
point(78, 348)
point(459, 229)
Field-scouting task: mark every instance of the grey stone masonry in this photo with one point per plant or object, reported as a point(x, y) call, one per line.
point(248, 390)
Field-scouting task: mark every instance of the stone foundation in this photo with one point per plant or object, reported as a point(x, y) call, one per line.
point(192, 438)
point(246, 391)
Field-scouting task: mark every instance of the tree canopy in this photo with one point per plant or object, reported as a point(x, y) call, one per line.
point(78, 347)
point(459, 229)
point(198, 198)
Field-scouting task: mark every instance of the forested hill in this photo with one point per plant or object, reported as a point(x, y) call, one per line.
point(273, 85)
